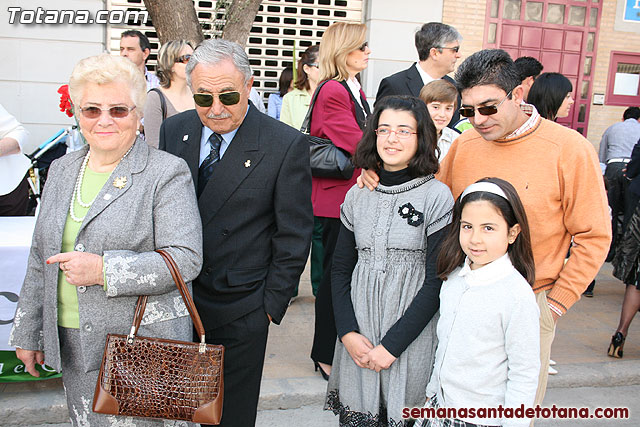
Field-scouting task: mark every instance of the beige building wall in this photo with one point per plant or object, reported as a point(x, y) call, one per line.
point(603, 116)
point(468, 17)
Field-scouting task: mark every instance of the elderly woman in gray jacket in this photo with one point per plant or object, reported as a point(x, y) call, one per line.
point(105, 209)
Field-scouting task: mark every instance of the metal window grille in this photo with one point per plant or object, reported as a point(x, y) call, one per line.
point(278, 26)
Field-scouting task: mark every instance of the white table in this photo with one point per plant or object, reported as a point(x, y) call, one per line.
point(15, 242)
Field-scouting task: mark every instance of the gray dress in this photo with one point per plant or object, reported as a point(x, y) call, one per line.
point(391, 243)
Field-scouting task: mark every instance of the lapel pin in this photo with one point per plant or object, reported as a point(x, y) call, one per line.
point(120, 182)
point(184, 138)
point(247, 163)
point(107, 196)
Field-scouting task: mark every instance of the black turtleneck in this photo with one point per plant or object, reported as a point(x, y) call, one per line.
point(388, 178)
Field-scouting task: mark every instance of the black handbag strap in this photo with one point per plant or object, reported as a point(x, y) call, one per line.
point(163, 102)
point(360, 114)
point(306, 123)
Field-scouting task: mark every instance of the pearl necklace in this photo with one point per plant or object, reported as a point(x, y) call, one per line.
point(78, 188)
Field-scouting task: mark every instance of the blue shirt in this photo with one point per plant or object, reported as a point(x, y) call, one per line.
point(618, 140)
point(205, 148)
point(274, 106)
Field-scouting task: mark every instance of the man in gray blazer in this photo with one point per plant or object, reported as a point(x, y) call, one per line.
point(253, 181)
point(437, 45)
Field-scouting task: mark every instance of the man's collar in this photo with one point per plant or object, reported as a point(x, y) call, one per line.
point(530, 123)
point(424, 70)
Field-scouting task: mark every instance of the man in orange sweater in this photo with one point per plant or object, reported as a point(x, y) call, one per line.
point(555, 171)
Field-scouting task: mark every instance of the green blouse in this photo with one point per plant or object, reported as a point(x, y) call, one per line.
point(294, 107)
point(68, 315)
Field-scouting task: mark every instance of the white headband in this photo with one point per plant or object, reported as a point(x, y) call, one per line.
point(487, 187)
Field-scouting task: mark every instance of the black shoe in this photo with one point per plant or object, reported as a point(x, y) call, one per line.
point(322, 372)
point(588, 294)
point(615, 348)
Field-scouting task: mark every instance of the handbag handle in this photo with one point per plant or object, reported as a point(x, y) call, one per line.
point(306, 124)
point(186, 296)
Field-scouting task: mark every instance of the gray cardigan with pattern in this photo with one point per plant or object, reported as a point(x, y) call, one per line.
point(156, 209)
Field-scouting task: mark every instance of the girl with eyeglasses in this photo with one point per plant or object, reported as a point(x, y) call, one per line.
point(339, 114)
point(384, 283)
point(173, 96)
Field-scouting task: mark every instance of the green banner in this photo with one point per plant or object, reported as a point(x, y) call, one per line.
point(12, 369)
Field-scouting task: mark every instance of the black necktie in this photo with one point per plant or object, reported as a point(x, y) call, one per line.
point(206, 168)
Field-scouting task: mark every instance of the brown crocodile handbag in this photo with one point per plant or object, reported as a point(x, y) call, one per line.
point(161, 378)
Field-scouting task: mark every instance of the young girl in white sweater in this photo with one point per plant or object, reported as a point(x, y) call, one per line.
point(488, 333)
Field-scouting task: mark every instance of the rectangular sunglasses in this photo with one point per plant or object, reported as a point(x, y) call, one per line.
point(226, 98)
point(119, 112)
point(487, 110)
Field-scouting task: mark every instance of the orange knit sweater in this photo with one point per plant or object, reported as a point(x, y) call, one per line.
point(556, 173)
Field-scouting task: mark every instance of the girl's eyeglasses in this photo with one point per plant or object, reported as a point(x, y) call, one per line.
point(226, 98)
point(119, 112)
point(183, 59)
point(364, 46)
point(385, 132)
point(487, 110)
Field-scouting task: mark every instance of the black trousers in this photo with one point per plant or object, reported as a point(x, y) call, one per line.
point(324, 337)
point(16, 203)
point(617, 185)
point(245, 343)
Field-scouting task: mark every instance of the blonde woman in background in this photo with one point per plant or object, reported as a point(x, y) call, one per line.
point(339, 114)
point(172, 62)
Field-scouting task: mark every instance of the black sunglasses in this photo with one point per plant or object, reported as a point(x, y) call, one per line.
point(226, 98)
point(184, 58)
point(364, 46)
point(487, 110)
point(116, 112)
point(456, 49)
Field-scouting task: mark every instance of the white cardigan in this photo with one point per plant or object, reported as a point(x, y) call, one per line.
point(488, 341)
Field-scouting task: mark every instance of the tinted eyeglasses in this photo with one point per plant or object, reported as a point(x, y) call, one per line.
point(119, 112)
point(364, 46)
point(487, 110)
point(226, 98)
point(184, 59)
point(385, 132)
point(456, 49)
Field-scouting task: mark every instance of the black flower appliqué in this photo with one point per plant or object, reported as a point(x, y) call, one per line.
point(413, 216)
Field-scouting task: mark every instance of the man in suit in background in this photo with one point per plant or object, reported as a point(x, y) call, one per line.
point(438, 48)
point(253, 181)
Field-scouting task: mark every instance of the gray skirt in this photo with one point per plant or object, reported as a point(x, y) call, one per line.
point(79, 387)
